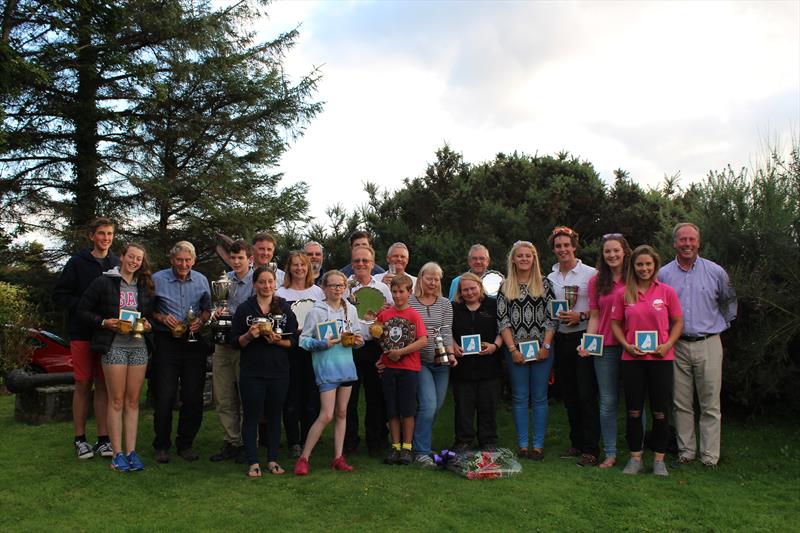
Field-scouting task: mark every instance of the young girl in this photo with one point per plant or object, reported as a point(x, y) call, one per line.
point(334, 368)
point(646, 305)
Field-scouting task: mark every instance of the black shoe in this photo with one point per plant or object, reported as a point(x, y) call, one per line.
point(393, 457)
point(241, 457)
point(406, 457)
point(229, 451)
point(570, 452)
point(189, 454)
point(162, 456)
point(681, 461)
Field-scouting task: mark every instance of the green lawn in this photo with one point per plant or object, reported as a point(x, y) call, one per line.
point(44, 487)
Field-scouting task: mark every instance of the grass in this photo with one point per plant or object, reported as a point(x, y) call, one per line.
point(44, 487)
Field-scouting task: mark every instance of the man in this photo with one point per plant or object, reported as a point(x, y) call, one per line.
point(397, 258)
point(363, 259)
point(263, 251)
point(360, 239)
point(709, 305)
point(313, 250)
point(178, 360)
point(81, 269)
point(478, 261)
point(225, 377)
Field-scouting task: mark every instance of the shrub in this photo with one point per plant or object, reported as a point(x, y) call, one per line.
point(16, 316)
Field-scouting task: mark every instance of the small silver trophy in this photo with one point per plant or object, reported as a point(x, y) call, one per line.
point(276, 321)
point(441, 357)
point(190, 316)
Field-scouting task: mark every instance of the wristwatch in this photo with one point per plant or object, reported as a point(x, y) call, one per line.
point(583, 316)
point(545, 346)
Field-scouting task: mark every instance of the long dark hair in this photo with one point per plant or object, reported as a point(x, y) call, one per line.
point(144, 275)
point(605, 278)
point(274, 306)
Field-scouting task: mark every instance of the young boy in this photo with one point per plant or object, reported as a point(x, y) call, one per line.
point(404, 335)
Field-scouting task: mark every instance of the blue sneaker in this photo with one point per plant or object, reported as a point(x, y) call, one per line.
point(134, 462)
point(120, 463)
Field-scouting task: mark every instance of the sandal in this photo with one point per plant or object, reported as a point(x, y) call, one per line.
point(255, 471)
point(274, 468)
point(608, 462)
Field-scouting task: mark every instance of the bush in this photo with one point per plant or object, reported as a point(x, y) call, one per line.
point(16, 316)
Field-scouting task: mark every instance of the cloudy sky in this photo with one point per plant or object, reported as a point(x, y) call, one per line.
point(655, 88)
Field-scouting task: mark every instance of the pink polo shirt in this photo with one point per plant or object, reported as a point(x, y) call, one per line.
point(603, 303)
point(650, 313)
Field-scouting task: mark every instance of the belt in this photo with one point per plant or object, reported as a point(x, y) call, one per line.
point(687, 338)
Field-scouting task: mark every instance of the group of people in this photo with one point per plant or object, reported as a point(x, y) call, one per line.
point(269, 367)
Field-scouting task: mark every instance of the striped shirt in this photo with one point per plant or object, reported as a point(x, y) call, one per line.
point(435, 316)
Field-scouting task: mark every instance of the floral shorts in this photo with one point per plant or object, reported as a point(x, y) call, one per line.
point(135, 356)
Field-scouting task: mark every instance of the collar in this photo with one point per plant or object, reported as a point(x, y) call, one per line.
point(174, 278)
point(578, 264)
point(694, 264)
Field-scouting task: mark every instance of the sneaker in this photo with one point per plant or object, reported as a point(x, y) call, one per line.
point(570, 452)
point(633, 467)
point(162, 456)
point(406, 457)
point(660, 469)
point(341, 464)
point(392, 458)
point(587, 459)
point(189, 454)
point(297, 451)
point(83, 450)
point(103, 449)
point(425, 461)
point(228, 451)
point(709, 465)
point(681, 461)
point(536, 454)
point(301, 467)
point(120, 463)
point(134, 461)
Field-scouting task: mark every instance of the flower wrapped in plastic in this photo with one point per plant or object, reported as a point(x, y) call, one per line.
point(480, 464)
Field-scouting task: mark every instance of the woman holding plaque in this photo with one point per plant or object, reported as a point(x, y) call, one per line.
point(646, 320)
point(476, 379)
point(302, 399)
point(436, 358)
point(612, 268)
point(574, 373)
point(112, 304)
point(523, 320)
point(264, 328)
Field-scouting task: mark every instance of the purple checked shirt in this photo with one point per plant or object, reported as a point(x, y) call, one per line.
point(706, 295)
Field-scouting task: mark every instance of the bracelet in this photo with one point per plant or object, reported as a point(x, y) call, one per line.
point(496, 346)
point(103, 323)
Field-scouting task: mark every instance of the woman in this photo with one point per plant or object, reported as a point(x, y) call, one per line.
point(302, 399)
point(574, 373)
point(646, 305)
point(476, 379)
point(437, 314)
point(334, 368)
point(264, 366)
point(612, 268)
point(129, 288)
point(522, 315)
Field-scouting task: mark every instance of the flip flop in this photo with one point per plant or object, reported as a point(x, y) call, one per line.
point(255, 471)
point(275, 468)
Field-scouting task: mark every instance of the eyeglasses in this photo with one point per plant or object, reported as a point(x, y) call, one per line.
point(563, 230)
point(360, 260)
point(338, 286)
point(612, 236)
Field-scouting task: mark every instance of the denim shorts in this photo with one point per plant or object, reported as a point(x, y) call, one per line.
point(136, 356)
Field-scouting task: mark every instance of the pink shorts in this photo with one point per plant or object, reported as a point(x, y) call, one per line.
point(86, 364)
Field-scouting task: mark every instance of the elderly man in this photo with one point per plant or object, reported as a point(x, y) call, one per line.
point(397, 259)
point(363, 259)
point(178, 360)
point(709, 305)
point(315, 254)
point(478, 261)
point(360, 239)
point(263, 252)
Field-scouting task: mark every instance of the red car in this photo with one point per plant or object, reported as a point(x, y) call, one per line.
point(51, 353)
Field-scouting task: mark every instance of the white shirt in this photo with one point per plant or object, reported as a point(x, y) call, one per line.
point(579, 277)
point(379, 278)
point(292, 295)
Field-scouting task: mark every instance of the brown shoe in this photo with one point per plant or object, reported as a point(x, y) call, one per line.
point(570, 452)
point(523, 453)
point(587, 459)
point(536, 454)
point(162, 456)
point(189, 454)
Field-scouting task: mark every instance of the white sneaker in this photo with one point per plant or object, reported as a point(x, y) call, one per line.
point(83, 450)
point(425, 461)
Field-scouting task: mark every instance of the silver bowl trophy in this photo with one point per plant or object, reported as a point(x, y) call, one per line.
point(440, 357)
point(491, 282)
point(221, 320)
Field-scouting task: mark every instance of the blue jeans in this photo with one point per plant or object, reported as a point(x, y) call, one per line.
point(529, 381)
point(606, 368)
point(431, 392)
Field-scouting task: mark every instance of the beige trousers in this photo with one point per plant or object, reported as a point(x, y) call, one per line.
point(225, 383)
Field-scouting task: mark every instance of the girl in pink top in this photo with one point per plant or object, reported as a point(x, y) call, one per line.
point(646, 305)
point(612, 267)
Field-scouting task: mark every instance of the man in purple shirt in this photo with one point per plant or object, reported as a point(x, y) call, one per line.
point(709, 305)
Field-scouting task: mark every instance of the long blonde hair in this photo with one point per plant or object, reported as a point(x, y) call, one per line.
point(510, 286)
point(428, 268)
point(632, 280)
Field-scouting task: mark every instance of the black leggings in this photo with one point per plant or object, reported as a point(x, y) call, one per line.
point(638, 378)
point(262, 396)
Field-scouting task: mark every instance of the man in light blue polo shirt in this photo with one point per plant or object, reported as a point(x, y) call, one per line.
point(709, 305)
point(177, 360)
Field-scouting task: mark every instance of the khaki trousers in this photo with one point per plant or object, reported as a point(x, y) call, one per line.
point(698, 365)
point(225, 383)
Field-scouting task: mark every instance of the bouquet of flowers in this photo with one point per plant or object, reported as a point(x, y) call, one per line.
point(480, 464)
